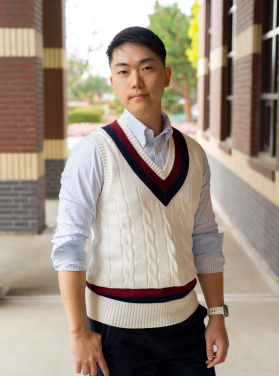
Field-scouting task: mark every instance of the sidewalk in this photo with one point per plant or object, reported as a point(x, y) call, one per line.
point(34, 336)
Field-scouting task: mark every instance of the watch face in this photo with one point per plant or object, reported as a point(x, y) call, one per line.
point(226, 310)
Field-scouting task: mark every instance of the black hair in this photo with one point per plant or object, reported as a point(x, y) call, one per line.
point(140, 36)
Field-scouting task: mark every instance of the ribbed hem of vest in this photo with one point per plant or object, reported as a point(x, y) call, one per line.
point(139, 315)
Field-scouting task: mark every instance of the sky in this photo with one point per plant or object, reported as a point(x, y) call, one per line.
point(106, 18)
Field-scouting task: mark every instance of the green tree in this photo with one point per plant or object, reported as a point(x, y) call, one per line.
point(77, 66)
point(172, 26)
point(193, 52)
point(86, 88)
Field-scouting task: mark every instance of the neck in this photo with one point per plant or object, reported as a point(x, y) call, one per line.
point(152, 120)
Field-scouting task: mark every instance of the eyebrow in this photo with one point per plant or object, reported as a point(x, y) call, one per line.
point(140, 62)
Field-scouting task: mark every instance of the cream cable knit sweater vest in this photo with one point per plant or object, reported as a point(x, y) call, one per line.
point(142, 234)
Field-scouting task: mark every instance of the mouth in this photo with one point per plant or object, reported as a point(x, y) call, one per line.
point(139, 96)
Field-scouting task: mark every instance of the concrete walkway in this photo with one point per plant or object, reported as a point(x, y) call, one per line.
point(34, 335)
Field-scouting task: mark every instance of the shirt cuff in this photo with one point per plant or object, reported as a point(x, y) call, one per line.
point(208, 243)
point(70, 256)
point(209, 263)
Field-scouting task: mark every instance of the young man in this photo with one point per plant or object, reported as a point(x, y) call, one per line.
point(143, 189)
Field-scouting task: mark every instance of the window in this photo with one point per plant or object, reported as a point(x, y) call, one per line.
point(231, 41)
point(269, 95)
point(208, 36)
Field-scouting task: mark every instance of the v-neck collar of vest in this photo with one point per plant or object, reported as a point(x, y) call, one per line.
point(162, 173)
point(165, 183)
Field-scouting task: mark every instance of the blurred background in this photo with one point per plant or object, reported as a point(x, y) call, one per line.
point(55, 89)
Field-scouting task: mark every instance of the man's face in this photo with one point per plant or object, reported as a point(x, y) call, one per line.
point(138, 77)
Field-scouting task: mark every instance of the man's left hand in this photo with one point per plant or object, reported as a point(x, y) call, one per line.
point(216, 334)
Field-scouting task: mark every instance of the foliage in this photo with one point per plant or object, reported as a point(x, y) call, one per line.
point(85, 115)
point(192, 53)
point(170, 101)
point(88, 87)
point(77, 66)
point(171, 25)
point(116, 106)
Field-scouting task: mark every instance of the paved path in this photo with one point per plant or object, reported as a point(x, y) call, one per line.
point(34, 337)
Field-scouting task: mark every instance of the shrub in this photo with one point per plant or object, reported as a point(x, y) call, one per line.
point(85, 115)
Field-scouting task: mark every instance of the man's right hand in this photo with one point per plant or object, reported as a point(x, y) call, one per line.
point(86, 348)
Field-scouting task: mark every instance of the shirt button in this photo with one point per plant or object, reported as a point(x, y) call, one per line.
point(156, 150)
point(148, 131)
point(142, 143)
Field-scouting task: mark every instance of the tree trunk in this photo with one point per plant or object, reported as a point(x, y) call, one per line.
point(188, 110)
point(187, 105)
point(185, 92)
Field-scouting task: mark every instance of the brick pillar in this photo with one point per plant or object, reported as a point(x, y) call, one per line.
point(55, 94)
point(246, 83)
point(218, 69)
point(203, 64)
point(22, 172)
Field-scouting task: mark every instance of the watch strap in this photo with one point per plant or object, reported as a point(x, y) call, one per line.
point(216, 311)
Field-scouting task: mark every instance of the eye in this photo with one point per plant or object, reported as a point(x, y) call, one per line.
point(122, 72)
point(148, 68)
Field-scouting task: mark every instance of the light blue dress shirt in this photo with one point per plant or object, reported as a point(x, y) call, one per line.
point(81, 184)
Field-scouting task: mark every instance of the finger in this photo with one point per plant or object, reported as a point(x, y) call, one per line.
point(85, 369)
point(209, 349)
point(218, 359)
point(78, 368)
point(93, 369)
point(103, 365)
point(209, 361)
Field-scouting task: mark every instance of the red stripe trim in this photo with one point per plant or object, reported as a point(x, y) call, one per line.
point(161, 183)
point(141, 293)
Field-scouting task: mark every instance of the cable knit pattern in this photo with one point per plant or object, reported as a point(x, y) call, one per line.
point(182, 213)
point(140, 242)
point(127, 241)
point(176, 281)
point(149, 234)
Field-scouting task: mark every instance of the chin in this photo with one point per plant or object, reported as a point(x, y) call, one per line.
point(140, 109)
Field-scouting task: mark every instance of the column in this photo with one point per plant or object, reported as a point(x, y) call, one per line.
point(22, 171)
point(55, 94)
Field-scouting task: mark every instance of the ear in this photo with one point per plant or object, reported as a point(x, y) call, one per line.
point(167, 76)
point(112, 84)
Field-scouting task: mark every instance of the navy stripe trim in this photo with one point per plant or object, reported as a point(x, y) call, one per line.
point(164, 197)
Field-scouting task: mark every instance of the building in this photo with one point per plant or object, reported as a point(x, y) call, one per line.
point(33, 102)
point(238, 121)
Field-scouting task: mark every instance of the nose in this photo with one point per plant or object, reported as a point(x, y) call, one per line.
point(136, 80)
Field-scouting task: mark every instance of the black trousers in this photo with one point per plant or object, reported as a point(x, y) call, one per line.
point(175, 350)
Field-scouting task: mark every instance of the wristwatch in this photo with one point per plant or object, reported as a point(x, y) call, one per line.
point(224, 310)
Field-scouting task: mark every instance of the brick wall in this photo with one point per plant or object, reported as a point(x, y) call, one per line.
point(218, 76)
point(22, 118)
point(246, 85)
point(53, 176)
point(204, 51)
point(246, 104)
point(21, 13)
point(21, 93)
point(54, 23)
point(257, 217)
point(218, 102)
point(55, 95)
point(249, 12)
point(218, 11)
point(22, 205)
point(55, 91)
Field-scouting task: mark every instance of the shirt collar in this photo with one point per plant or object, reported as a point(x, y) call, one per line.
point(139, 129)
